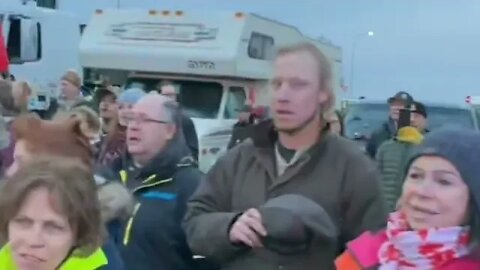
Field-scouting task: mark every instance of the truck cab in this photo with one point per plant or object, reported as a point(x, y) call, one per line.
point(41, 43)
point(474, 103)
point(365, 116)
point(217, 60)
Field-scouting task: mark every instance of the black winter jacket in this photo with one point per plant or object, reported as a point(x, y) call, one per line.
point(153, 238)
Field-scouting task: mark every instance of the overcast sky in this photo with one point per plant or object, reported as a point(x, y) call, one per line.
point(428, 47)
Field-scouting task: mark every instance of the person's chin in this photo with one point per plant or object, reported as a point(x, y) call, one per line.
point(134, 149)
point(282, 127)
point(281, 124)
point(419, 223)
point(28, 263)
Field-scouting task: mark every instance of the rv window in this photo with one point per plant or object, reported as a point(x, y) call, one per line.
point(261, 46)
point(13, 40)
point(236, 100)
point(47, 3)
point(197, 99)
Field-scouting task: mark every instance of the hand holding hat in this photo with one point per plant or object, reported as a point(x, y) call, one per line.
point(248, 229)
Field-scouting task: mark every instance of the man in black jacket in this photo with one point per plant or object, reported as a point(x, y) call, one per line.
point(419, 117)
point(243, 128)
point(162, 174)
point(388, 129)
point(168, 89)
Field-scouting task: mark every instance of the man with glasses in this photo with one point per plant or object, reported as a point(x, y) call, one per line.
point(161, 173)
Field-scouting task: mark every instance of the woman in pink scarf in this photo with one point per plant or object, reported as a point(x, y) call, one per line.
point(437, 224)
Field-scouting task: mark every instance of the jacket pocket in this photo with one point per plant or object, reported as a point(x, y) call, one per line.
point(128, 228)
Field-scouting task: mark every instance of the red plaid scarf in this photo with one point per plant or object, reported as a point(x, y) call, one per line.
point(425, 249)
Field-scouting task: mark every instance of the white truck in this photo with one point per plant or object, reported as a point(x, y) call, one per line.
point(218, 60)
point(41, 43)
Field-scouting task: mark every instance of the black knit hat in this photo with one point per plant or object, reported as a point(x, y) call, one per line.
point(461, 147)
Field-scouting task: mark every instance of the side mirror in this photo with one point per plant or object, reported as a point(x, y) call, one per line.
point(29, 36)
point(357, 136)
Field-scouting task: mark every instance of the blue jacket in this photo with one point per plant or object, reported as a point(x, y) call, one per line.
point(382, 134)
point(153, 238)
point(116, 203)
point(112, 253)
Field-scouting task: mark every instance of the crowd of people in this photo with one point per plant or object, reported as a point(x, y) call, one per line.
point(113, 183)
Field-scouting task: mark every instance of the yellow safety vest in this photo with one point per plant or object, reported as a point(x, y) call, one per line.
point(92, 262)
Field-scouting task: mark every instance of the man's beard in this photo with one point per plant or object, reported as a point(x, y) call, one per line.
point(300, 127)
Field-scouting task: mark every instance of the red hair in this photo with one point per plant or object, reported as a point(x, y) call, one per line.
point(63, 138)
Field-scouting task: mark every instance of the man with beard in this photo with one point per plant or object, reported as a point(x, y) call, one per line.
point(293, 195)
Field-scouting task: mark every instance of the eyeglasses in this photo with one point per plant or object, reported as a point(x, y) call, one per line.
point(141, 118)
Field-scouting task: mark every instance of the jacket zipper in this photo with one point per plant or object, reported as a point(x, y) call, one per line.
point(128, 229)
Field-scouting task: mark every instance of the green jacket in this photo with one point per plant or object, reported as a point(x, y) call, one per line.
point(333, 173)
point(392, 158)
point(93, 262)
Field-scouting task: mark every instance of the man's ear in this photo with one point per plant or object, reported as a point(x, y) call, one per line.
point(171, 131)
point(324, 98)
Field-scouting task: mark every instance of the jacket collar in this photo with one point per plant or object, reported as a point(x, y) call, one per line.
point(92, 262)
point(160, 169)
point(264, 139)
point(266, 136)
point(165, 163)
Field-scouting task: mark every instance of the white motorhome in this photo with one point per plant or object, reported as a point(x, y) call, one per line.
point(218, 60)
point(41, 43)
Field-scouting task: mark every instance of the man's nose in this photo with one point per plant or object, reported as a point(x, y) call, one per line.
point(282, 93)
point(423, 189)
point(133, 125)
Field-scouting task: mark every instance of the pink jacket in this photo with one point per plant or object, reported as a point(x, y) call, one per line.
point(362, 253)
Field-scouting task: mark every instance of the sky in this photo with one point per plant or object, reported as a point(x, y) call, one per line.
point(426, 47)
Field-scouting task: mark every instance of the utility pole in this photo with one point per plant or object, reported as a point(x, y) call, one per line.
point(352, 59)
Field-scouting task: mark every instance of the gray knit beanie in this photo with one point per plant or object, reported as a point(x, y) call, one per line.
point(461, 147)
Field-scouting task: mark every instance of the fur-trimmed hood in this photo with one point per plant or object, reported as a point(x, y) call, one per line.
point(115, 200)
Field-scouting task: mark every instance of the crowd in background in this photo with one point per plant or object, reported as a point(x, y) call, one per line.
point(112, 182)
